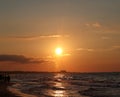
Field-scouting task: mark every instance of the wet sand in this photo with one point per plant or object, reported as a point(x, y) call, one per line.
point(4, 92)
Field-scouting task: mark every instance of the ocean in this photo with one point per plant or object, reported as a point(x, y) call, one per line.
point(66, 84)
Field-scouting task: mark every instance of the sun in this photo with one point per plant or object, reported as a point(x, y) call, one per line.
point(58, 51)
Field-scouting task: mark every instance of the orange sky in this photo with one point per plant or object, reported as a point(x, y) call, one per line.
point(87, 31)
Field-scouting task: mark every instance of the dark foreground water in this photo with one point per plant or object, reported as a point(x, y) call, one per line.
point(66, 84)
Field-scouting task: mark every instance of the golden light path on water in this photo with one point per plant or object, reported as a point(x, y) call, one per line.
point(59, 93)
point(63, 88)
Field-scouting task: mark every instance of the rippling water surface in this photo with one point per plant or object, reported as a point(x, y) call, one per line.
point(67, 84)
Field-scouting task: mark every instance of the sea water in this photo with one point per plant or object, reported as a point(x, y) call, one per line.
point(66, 84)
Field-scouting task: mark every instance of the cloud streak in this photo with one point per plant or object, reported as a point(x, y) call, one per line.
point(34, 37)
point(113, 48)
point(85, 49)
point(95, 25)
point(105, 38)
point(19, 59)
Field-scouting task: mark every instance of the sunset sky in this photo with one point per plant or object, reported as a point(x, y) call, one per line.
point(88, 32)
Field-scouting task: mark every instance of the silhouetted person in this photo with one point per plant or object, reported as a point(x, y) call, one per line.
point(1, 77)
point(8, 78)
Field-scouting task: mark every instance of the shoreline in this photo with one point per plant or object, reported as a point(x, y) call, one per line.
point(4, 92)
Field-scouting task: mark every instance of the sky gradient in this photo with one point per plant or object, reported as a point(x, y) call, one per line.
point(87, 30)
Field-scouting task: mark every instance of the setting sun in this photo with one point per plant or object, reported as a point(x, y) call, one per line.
point(58, 51)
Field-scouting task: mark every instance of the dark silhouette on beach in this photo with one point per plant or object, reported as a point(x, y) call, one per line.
point(5, 78)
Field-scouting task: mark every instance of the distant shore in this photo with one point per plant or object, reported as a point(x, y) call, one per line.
point(4, 92)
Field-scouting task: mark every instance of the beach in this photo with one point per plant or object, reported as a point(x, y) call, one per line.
point(4, 92)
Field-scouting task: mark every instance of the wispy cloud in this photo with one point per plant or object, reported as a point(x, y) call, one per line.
point(20, 59)
point(117, 47)
point(105, 37)
point(95, 25)
point(34, 37)
point(112, 48)
point(85, 49)
point(66, 54)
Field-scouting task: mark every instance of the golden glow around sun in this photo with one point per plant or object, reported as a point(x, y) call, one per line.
point(58, 51)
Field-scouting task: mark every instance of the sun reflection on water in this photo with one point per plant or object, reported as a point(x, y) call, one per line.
point(60, 92)
point(59, 75)
point(59, 85)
